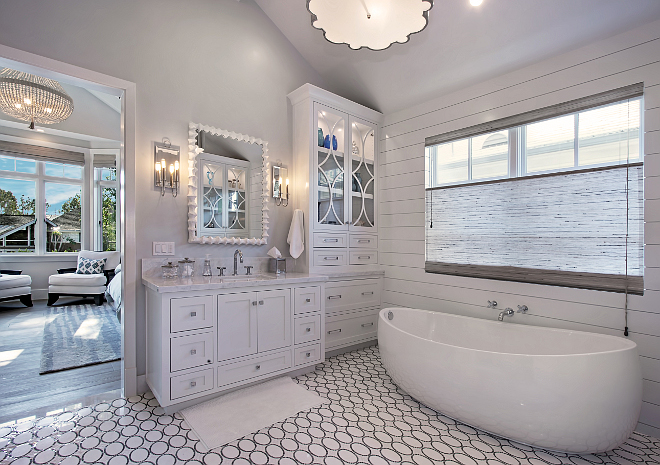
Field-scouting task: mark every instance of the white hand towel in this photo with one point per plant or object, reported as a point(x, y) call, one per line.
point(296, 239)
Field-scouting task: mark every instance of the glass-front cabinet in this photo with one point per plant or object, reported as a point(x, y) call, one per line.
point(345, 175)
point(223, 196)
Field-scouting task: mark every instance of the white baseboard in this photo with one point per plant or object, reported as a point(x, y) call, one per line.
point(142, 385)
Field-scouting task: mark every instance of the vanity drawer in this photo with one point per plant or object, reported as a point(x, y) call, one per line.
point(349, 295)
point(191, 351)
point(363, 241)
point(359, 327)
point(363, 257)
point(330, 240)
point(306, 299)
point(307, 354)
point(192, 383)
point(258, 366)
point(307, 329)
point(330, 257)
point(188, 313)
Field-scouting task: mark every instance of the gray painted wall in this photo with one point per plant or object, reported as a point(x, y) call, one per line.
point(216, 62)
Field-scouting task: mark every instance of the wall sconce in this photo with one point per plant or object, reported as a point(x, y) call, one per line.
point(166, 164)
point(280, 177)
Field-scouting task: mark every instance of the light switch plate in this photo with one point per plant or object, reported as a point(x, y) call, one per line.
point(163, 248)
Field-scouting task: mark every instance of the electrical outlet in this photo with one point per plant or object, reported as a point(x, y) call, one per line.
point(163, 248)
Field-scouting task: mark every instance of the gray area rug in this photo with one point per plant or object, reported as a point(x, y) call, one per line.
point(79, 335)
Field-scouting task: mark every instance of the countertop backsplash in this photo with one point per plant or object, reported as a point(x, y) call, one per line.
point(151, 266)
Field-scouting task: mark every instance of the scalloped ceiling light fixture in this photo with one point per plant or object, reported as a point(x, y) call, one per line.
point(372, 24)
point(33, 98)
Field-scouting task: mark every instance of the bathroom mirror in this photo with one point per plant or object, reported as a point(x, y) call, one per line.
point(227, 187)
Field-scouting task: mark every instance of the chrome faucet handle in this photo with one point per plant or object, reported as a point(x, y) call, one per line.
point(222, 270)
point(522, 308)
point(248, 270)
point(492, 304)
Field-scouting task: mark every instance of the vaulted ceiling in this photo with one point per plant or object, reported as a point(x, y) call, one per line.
point(462, 44)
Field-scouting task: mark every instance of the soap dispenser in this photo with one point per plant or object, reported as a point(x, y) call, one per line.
point(207, 267)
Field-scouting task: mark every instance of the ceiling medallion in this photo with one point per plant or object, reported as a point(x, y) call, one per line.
point(372, 24)
point(33, 98)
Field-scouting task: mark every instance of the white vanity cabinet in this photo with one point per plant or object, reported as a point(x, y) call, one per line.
point(206, 337)
point(335, 180)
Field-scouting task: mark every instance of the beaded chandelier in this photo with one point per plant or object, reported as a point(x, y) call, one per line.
point(33, 98)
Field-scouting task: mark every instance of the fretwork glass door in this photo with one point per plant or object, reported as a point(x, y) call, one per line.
point(213, 177)
point(363, 174)
point(236, 200)
point(331, 177)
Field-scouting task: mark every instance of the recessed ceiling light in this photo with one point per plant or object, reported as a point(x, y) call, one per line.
point(476, 2)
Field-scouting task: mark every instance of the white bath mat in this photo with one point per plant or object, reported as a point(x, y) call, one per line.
point(232, 416)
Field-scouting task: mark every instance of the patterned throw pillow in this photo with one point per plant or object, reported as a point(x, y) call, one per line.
point(91, 265)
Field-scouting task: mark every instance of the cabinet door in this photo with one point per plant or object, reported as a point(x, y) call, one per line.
point(274, 319)
point(237, 200)
point(237, 325)
point(362, 204)
point(211, 197)
point(330, 180)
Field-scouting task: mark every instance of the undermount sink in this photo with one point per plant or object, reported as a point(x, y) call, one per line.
point(244, 277)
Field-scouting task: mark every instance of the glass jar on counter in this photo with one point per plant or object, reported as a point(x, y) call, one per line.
point(170, 271)
point(187, 268)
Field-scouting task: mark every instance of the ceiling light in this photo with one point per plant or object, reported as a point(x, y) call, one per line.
point(372, 24)
point(45, 100)
point(476, 2)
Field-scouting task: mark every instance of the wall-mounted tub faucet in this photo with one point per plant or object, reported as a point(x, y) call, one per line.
point(506, 312)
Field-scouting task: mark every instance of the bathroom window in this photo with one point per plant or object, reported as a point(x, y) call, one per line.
point(553, 196)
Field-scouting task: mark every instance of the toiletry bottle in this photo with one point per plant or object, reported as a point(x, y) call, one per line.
point(207, 267)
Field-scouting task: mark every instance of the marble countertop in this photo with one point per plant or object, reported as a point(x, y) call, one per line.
point(160, 284)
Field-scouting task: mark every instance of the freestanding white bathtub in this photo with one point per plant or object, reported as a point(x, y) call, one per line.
point(556, 389)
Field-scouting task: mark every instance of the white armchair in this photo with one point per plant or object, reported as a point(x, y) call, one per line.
point(14, 285)
point(68, 282)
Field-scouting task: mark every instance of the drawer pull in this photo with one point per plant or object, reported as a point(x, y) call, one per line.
point(334, 331)
point(331, 258)
point(193, 383)
point(368, 293)
point(308, 300)
point(366, 325)
point(193, 313)
point(261, 302)
point(258, 367)
point(254, 303)
point(330, 240)
point(308, 330)
point(364, 241)
point(193, 351)
point(333, 297)
point(364, 257)
point(308, 354)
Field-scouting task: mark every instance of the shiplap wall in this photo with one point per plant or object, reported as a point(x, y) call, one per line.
point(625, 59)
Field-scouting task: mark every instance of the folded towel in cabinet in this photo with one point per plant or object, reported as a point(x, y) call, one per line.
point(296, 239)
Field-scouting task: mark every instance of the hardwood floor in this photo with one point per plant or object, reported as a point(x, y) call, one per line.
point(23, 391)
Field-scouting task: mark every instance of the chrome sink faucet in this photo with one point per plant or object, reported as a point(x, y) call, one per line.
point(238, 252)
point(506, 312)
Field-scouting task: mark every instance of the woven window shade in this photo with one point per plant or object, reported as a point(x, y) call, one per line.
point(105, 160)
point(36, 152)
point(565, 229)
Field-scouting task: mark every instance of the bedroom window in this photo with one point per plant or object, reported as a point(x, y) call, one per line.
point(553, 196)
point(41, 201)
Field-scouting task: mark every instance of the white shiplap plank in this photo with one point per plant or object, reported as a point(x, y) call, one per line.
point(402, 180)
point(413, 165)
point(650, 414)
point(652, 142)
point(651, 392)
point(407, 206)
point(389, 221)
point(402, 193)
point(401, 247)
point(650, 368)
point(652, 119)
point(648, 430)
point(652, 95)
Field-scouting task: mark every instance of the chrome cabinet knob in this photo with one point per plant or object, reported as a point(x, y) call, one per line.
point(193, 313)
point(193, 351)
point(258, 367)
point(308, 330)
point(193, 384)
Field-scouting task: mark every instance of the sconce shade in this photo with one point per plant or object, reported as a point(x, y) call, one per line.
point(33, 98)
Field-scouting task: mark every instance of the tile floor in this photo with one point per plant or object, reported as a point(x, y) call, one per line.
point(367, 421)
